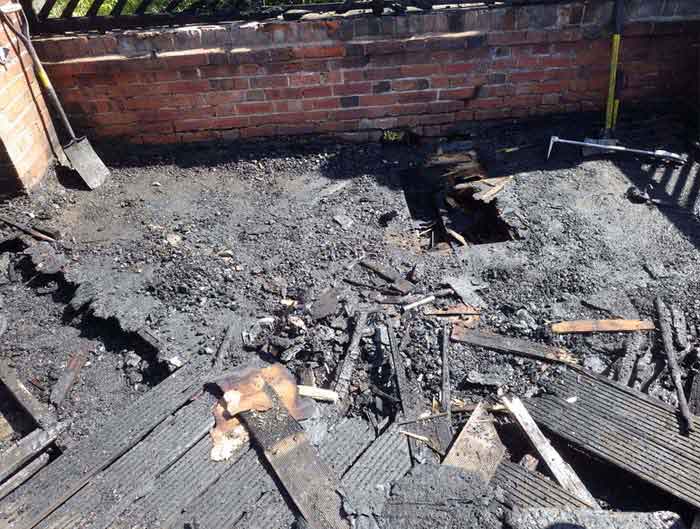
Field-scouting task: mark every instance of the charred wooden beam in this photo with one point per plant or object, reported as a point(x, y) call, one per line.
point(508, 344)
point(667, 336)
point(310, 483)
point(342, 383)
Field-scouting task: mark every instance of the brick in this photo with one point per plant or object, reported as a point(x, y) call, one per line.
point(403, 85)
point(349, 101)
point(188, 87)
point(460, 93)
point(381, 74)
point(254, 108)
point(464, 67)
point(229, 84)
point(305, 79)
point(352, 76)
point(497, 91)
point(535, 75)
point(483, 102)
point(279, 81)
point(224, 98)
point(352, 89)
point(314, 52)
point(418, 97)
point(318, 91)
point(378, 100)
point(506, 38)
point(420, 70)
point(255, 95)
point(331, 77)
point(321, 104)
point(277, 68)
point(381, 87)
point(284, 93)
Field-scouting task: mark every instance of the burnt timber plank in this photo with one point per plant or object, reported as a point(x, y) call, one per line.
point(625, 428)
point(62, 478)
point(309, 482)
point(23, 474)
point(26, 448)
point(531, 489)
point(39, 412)
point(345, 370)
point(97, 504)
point(562, 472)
point(508, 344)
point(241, 488)
point(339, 450)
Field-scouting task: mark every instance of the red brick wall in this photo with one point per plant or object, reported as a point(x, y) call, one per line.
point(356, 77)
point(25, 125)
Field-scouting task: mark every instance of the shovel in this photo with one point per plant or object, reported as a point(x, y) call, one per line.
point(82, 157)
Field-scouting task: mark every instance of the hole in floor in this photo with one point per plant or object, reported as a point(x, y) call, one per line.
point(453, 202)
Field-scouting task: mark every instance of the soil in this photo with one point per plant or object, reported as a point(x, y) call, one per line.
point(182, 243)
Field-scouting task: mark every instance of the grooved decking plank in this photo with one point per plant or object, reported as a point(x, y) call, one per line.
point(625, 428)
point(172, 491)
point(56, 483)
point(247, 489)
point(102, 500)
point(530, 489)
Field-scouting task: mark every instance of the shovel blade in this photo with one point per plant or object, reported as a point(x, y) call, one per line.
point(86, 163)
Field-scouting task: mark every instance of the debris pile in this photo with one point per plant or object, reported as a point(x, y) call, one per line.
point(311, 362)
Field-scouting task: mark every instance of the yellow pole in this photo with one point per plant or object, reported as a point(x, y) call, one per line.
point(614, 61)
point(616, 111)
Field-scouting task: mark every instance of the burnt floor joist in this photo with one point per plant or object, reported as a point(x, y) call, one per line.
point(523, 488)
point(625, 428)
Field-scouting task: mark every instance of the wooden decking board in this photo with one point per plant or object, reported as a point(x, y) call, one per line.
point(625, 428)
point(339, 450)
point(233, 494)
point(386, 460)
point(56, 483)
point(621, 450)
point(172, 491)
point(108, 493)
point(530, 489)
point(241, 489)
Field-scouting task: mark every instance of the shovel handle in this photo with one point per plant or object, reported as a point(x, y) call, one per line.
point(41, 74)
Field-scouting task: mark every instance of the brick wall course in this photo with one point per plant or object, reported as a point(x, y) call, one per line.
point(27, 136)
point(361, 75)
